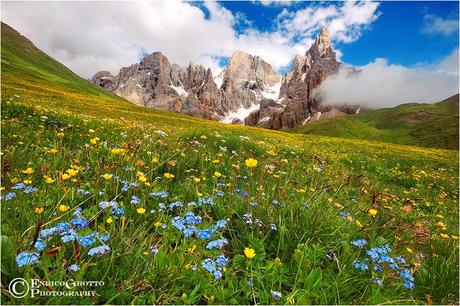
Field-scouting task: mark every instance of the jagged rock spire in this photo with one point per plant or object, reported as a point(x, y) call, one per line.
point(322, 47)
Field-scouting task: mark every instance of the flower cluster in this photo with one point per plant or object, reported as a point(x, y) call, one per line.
point(380, 257)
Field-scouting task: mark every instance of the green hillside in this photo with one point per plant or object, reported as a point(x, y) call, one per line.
point(428, 125)
point(167, 209)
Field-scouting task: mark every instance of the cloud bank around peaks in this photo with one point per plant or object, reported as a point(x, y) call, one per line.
point(92, 36)
point(381, 84)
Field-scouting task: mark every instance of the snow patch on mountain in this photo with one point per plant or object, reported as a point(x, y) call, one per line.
point(240, 113)
point(179, 89)
point(272, 91)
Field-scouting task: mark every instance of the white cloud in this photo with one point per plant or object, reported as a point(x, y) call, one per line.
point(93, 36)
point(345, 22)
point(380, 84)
point(434, 25)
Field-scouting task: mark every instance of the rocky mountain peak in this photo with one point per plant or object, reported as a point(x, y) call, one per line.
point(322, 47)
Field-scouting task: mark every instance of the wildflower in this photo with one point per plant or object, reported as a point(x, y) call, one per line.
point(249, 253)
point(39, 245)
point(72, 172)
point(191, 249)
point(73, 268)
point(217, 174)
point(60, 134)
point(9, 196)
point(196, 180)
point(172, 163)
point(141, 210)
point(378, 281)
point(278, 262)
point(168, 175)
point(359, 265)
point(215, 161)
point(52, 151)
point(39, 210)
point(25, 258)
point(276, 295)
point(107, 176)
point(409, 250)
point(69, 236)
point(153, 250)
point(360, 243)
point(251, 163)
point(155, 161)
point(217, 244)
point(273, 227)
point(271, 152)
point(48, 179)
point(157, 224)
point(118, 151)
point(250, 283)
point(109, 220)
point(63, 208)
point(445, 236)
point(94, 141)
point(99, 251)
point(91, 131)
point(372, 212)
point(87, 241)
point(28, 171)
point(204, 234)
point(142, 179)
point(79, 223)
point(65, 176)
point(454, 237)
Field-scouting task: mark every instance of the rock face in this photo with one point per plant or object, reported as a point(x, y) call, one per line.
point(247, 91)
point(156, 83)
point(295, 96)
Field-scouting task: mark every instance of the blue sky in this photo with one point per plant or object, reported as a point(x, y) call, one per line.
point(398, 34)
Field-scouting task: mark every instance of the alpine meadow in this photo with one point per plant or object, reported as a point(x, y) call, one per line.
point(170, 185)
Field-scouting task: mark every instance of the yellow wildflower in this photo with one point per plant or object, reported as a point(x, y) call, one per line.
point(157, 224)
point(271, 152)
point(155, 160)
point(94, 141)
point(191, 249)
point(65, 176)
point(445, 236)
point(372, 212)
point(53, 151)
point(249, 253)
point(197, 180)
point(63, 208)
point(217, 174)
point(117, 151)
point(215, 161)
point(168, 175)
point(60, 134)
point(91, 131)
point(251, 163)
point(109, 220)
point(278, 262)
point(27, 182)
point(142, 179)
point(107, 176)
point(28, 171)
point(39, 210)
point(141, 210)
point(410, 250)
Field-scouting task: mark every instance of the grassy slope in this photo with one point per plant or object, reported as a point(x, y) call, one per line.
point(347, 171)
point(437, 127)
